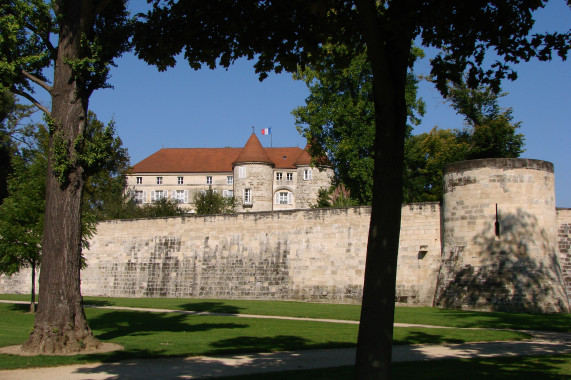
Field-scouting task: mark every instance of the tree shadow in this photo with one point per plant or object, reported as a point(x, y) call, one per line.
point(112, 325)
point(517, 272)
point(97, 303)
point(268, 344)
point(21, 307)
point(517, 367)
point(211, 307)
point(208, 367)
point(421, 337)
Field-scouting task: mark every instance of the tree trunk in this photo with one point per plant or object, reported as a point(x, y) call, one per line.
point(388, 53)
point(33, 290)
point(60, 325)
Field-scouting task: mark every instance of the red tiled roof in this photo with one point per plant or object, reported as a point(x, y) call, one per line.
point(211, 160)
point(188, 160)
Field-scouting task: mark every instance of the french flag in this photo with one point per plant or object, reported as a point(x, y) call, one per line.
point(266, 131)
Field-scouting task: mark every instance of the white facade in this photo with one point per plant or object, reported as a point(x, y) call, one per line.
point(260, 179)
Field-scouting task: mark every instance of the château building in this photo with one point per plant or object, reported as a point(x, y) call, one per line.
point(261, 179)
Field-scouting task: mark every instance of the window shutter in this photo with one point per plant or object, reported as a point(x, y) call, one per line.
point(277, 198)
point(186, 196)
point(152, 195)
point(289, 198)
point(145, 196)
point(173, 194)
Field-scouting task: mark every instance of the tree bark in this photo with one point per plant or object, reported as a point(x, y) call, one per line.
point(60, 325)
point(388, 52)
point(33, 290)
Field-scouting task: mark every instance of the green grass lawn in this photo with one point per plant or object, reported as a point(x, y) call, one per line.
point(419, 315)
point(146, 334)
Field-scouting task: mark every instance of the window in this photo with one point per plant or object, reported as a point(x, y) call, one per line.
point(140, 196)
point(307, 174)
point(241, 172)
point(289, 176)
point(180, 180)
point(247, 196)
point(181, 196)
point(279, 176)
point(230, 180)
point(139, 180)
point(159, 180)
point(228, 193)
point(209, 180)
point(283, 198)
point(157, 195)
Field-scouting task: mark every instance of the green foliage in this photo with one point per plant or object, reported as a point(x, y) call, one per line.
point(22, 214)
point(334, 197)
point(210, 202)
point(489, 133)
point(22, 50)
point(323, 198)
point(160, 208)
point(338, 119)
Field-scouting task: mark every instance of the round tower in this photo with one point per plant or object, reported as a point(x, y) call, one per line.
point(253, 176)
point(499, 235)
point(310, 179)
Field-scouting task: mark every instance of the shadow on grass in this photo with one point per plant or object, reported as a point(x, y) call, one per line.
point(251, 344)
point(211, 307)
point(485, 319)
point(520, 368)
point(20, 307)
point(504, 320)
point(419, 337)
point(116, 324)
point(97, 303)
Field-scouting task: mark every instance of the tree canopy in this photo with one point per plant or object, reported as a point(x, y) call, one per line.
point(339, 118)
point(210, 202)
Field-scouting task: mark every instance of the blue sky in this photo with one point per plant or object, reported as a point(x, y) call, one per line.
point(217, 108)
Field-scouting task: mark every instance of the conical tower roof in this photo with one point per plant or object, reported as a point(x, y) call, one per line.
point(253, 151)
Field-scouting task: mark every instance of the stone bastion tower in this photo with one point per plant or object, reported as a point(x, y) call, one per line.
point(499, 237)
point(253, 174)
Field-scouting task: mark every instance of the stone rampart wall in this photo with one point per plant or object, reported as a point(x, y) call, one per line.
point(564, 223)
point(316, 255)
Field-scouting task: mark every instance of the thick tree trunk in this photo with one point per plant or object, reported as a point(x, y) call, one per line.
point(388, 55)
point(33, 290)
point(60, 325)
